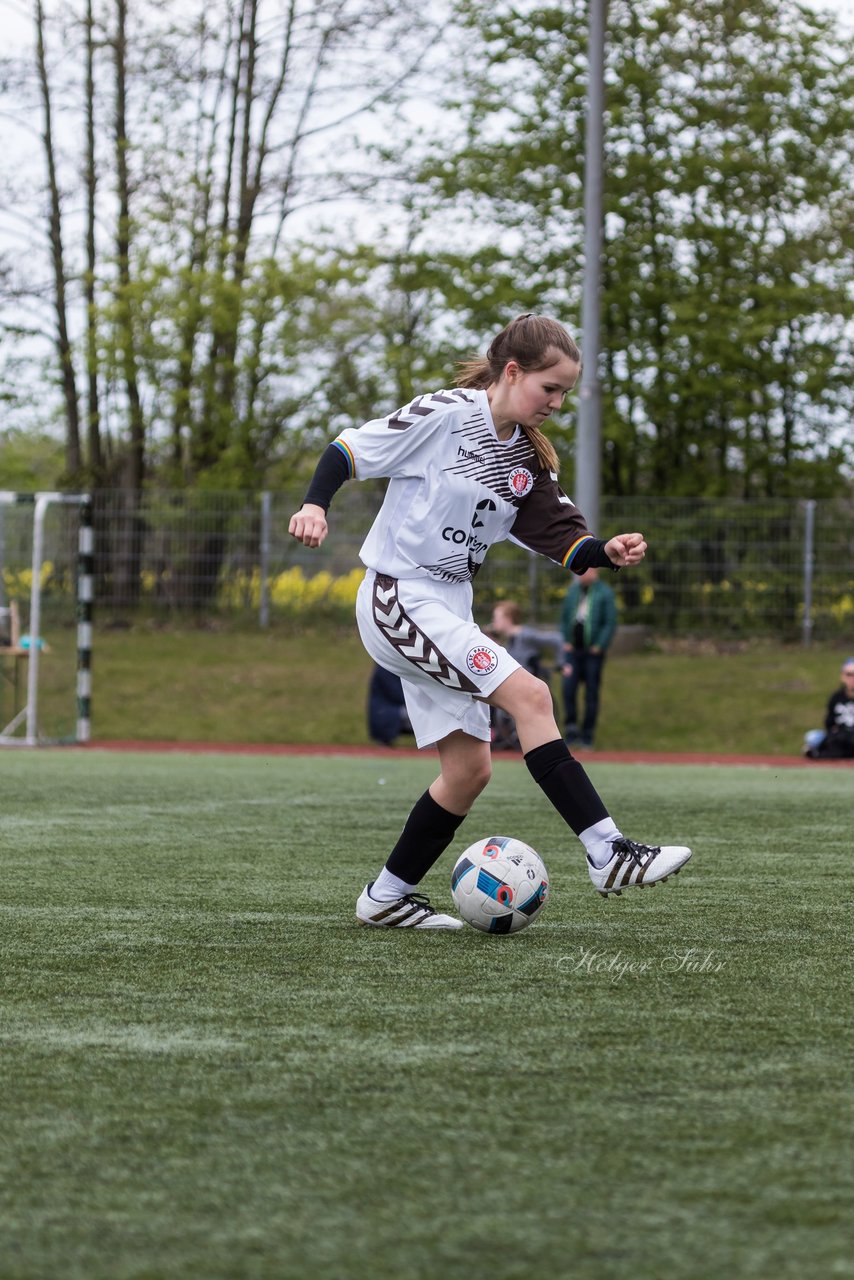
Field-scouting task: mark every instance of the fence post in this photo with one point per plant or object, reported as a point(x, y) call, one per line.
point(266, 508)
point(809, 559)
point(85, 599)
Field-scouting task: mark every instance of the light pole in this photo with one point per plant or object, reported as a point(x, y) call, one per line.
point(588, 452)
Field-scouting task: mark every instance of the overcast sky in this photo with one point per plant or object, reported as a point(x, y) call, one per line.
point(16, 17)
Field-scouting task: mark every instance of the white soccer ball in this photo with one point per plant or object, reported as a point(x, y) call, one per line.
point(499, 885)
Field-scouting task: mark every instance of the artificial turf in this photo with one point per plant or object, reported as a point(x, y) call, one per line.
point(210, 1071)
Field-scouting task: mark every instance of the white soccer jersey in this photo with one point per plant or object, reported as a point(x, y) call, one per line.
point(455, 489)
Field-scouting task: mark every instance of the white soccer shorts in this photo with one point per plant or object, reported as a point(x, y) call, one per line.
point(424, 632)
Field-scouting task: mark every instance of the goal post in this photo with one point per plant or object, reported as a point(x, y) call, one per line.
point(24, 727)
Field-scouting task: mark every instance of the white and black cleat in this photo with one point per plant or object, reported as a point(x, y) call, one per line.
point(413, 911)
point(637, 865)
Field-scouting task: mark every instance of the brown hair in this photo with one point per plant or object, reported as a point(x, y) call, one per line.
point(512, 608)
point(531, 341)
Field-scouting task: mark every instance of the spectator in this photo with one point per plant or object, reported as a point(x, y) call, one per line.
point(588, 622)
point(526, 645)
point(387, 714)
point(836, 740)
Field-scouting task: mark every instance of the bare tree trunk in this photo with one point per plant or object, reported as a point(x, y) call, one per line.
point(250, 160)
point(257, 138)
point(234, 242)
point(203, 244)
point(129, 550)
point(62, 340)
point(93, 409)
point(136, 454)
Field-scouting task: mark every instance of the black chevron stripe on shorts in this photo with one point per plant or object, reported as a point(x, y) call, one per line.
point(411, 643)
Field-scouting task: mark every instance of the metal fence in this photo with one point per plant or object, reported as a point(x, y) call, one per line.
point(717, 568)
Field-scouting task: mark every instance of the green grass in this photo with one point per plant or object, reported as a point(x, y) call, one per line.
point(210, 1071)
point(185, 685)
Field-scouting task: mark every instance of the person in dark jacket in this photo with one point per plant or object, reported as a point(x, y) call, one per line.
point(588, 621)
point(836, 740)
point(387, 714)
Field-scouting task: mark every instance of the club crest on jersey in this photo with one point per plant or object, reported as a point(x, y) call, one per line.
point(520, 481)
point(481, 661)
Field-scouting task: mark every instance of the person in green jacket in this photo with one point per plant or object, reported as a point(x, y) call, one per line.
point(588, 622)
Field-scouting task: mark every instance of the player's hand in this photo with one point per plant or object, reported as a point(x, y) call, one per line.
point(626, 548)
point(309, 525)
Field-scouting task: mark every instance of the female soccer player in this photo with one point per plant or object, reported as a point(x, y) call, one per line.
point(469, 467)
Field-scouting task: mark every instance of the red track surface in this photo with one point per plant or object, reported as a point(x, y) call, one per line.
point(389, 753)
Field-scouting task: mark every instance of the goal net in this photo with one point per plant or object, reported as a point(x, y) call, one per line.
point(45, 618)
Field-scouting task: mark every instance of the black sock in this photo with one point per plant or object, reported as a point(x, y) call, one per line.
point(566, 785)
point(428, 832)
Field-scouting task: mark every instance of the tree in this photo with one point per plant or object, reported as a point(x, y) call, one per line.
point(93, 404)
point(223, 328)
point(728, 192)
point(227, 123)
point(57, 252)
point(219, 279)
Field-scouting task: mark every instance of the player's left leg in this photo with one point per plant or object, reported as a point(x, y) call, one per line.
point(613, 861)
point(390, 899)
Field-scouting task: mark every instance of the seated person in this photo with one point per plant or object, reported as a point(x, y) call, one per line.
point(836, 740)
point(387, 714)
point(526, 645)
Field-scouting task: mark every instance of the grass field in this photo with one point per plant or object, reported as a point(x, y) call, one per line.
point(209, 1071)
point(184, 685)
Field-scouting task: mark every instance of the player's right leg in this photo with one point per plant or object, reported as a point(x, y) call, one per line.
point(427, 636)
point(391, 900)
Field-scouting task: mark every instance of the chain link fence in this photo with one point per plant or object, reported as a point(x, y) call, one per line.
point(714, 568)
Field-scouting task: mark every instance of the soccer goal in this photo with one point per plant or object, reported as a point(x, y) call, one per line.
point(46, 600)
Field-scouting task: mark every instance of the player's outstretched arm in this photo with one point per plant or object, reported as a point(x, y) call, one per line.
point(308, 525)
point(626, 548)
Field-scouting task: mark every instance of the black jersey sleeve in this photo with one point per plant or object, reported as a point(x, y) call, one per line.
point(550, 524)
point(591, 555)
point(331, 472)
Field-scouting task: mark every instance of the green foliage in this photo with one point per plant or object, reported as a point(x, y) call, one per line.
point(207, 350)
point(30, 460)
point(726, 267)
point(728, 216)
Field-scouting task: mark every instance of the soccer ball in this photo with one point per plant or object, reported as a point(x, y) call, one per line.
point(499, 885)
